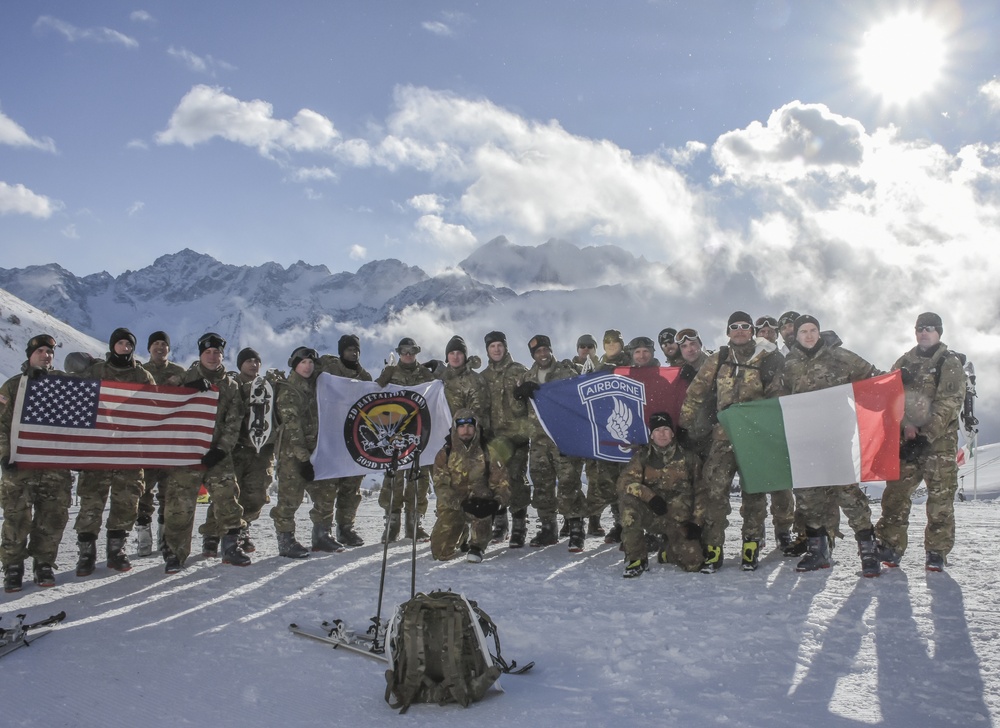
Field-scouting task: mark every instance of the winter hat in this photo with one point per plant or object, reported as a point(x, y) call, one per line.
point(930, 319)
point(245, 354)
point(157, 336)
point(805, 319)
point(613, 335)
point(667, 335)
point(788, 317)
point(456, 343)
point(767, 321)
point(640, 342)
point(119, 334)
point(495, 336)
point(463, 415)
point(302, 352)
point(211, 340)
point(660, 419)
point(407, 341)
point(346, 342)
point(37, 342)
point(537, 342)
point(739, 317)
point(586, 340)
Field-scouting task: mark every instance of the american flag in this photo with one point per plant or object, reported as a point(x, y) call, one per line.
point(92, 424)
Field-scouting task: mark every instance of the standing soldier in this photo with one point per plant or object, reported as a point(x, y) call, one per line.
point(934, 383)
point(509, 418)
point(546, 464)
point(470, 482)
point(586, 359)
point(347, 491)
point(671, 350)
point(813, 365)
point(767, 327)
point(786, 329)
point(218, 476)
point(164, 372)
point(736, 373)
point(298, 411)
point(406, 373)
point(35, 502)
point(125, 487)
point(602, 475)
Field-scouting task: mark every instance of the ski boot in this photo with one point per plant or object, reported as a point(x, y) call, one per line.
point(798, 547)
point(348, 536)
point(247, 545)
point(868, 551)
point(422, 535)
point(43, 575)
point(117, 558)
point(500, 526)
point(564, 531)
point(713, 560)
point(210, 547)
point(474, 555)
point(594, 527)
point(818, 555)
point(784, 540)
point(634, 569)
point(87, 544)
point(518, 529)
point(576, 535)
point(888, 556)
point(548, 533)
point(614, 535)
point(935, 561)
point(231, 551)
point(751, 555)
point(322, 540)
point(289, 547)
point(171, 563)
point(143, 539)
point(391, 531)
point(13, 575)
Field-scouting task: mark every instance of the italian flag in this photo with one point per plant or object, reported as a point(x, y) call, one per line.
point(836, 436)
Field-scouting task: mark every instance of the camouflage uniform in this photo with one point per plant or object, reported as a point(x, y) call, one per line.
point(670, 473)
point(35, 502)
point(934, 398)
point(742, 376)
point(124, 486)
point(810, 370)
point(463, 471)
point(602, 475)
point(156, 479)
point(347, 491)
point(183, 484)
point(510, 425)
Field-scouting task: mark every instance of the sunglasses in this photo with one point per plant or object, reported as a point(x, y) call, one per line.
point(921, 329)
point(465, 421)
point(740, 327)
point(586, 346)
point(686, 335)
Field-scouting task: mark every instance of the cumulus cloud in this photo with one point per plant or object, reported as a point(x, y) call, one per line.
point(97, 35)
point(312, 174)
point(199, 64)
point(449, 236)
point(14, 134)
point(141, 16)
point(19, 200)
point(991, 90)
point(137, 144)
point(358, 252)
point(428, 203)
point(437, 27)
point(684, 156)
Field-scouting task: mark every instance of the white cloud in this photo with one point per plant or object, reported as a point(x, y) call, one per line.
point(135, 208)
point(19, 200)
point(426, 203)
point(137, 144)
point(70, 232)
point(437, 27)
point(141, 16)
point(446, 235)
point(13, 134)
point(199, 64)
point(358, 252)
point(991, 90)
point(73, 33)
point(312, 174)
point(685, 156)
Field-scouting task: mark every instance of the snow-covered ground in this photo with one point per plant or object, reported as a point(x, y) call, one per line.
point(211, 646)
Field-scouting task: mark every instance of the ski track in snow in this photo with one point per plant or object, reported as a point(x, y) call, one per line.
point(211, 645)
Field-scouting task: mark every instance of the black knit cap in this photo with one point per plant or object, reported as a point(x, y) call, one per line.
point(346, 342)
point(660, 419)
point(157, 336)
point(300, 353)
point(788, 317)
point(37, 342)
point(928, 318)
point(537, 342)
point(641, 342)
point(586, 340)
point(245, 354)
point(738, 317)
point(805, 319)
point(211, 340)
point(456, 343)
point(495, 336)
point(119, 334)
point(666, 336)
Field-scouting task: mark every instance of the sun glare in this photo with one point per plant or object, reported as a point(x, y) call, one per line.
point(902, 58)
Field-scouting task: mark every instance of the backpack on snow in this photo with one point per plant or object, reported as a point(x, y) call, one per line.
point(438, 652)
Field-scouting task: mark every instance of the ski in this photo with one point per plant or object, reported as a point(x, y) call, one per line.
point(338, 636)
point(17, 636)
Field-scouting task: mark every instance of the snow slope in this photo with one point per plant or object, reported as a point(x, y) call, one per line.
point(210, 646)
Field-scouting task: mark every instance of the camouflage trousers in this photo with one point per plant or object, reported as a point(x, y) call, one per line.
point(93, 487)
point(711, 499)
point(35, 511)
point(154, 490)
point(513, 450)
point(940, 473)
point(254, 473)
point(400, 488)
point(450, 528)
point(556, 480)
point(782, 511)
point(602, 487)
point(182, 502)
point(291, 489)
point(347, 494)
point(637, 518)
point(816, 505)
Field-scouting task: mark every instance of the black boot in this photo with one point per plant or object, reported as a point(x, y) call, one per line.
point(614, 535)
point(868, 551)
point(231, 551)
point(594, 527)
point(518, 529)
point(87, 543)
point(246, 543)
point(210, 547)
point(421, 535)
point(818, 555)
point(13, 575)
point(564, 531)
point(43, 575)
point(117, 558)
point(171, 564)
point(500, 526)
point(548, 533)
point(751, 554)
point(576, 535)
point(289, 547)
point(391, 531)
point(348, 536)
point(322, 540)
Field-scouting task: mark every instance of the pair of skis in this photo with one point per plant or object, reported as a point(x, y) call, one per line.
point(17, 636)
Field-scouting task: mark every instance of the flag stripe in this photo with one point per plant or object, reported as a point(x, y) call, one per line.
point(823, 450)
point(880, 403)
point(757, 423)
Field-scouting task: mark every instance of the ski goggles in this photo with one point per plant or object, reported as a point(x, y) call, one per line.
point(740, 326)
point(921, 329)
point(686, 335)
point(465, 421)
point(768, 321)
point(407, 351)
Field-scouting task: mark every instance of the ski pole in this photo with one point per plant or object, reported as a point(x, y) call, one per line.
point(414, 478)
point(390, 477)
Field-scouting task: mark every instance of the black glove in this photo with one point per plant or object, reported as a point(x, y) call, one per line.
point(480, 507)
point(37, 372)
point(433, 364)
point(687, 372)
point(213, 457)
point(912, 450)
point(906, 375)
point(307, 471)
point(199, 385)
point(657, 505)
point(692, 531)
point(6, 465)
point(526, 390)
point(684, 437)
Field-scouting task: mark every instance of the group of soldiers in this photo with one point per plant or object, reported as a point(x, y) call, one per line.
point(671, 499)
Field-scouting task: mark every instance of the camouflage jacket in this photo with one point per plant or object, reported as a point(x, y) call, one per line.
point(581, 363)
point(230, 415)
point(610, 364)
point(558, 370)
point(298, 412)
point(670, 473)
point(464, 388)
point(739, 376)
point(507, 414)
point(465, 471)
point(336, 366)
point(822, 367)
point(934, 395)
point(134, 373)
point(404, 376)
point(162, 372)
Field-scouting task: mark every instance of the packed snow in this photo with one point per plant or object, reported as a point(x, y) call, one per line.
point(211, 646)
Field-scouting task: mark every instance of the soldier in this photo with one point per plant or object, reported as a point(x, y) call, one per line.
point(739, 372)
point(786, 328)
point(125, 487)
point(254, 470)
point(614, 351)
point(641, 350)
point(406, 373)
point(35, 502)
point(470, 482)
point(934, 383)
point(699, 439)
point(346, 364)
point(546, 464)
point(656, 493)
point(510, 436)
point(602, 475)
point(218, 476)
point(586, 359)
point(463, 387)
point(813, 365)
point(298, 411)
point(164, 372)
point(671, 351)
point(767, 327)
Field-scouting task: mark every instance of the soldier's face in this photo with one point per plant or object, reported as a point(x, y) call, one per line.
point(738, 335)
point(788, 333)
point(466, 432)
point(770, 334)
point(612, 348)
point(211, 358)
point(584, 351)
point(41, 358)
point(642, 356)
point(305, 368)
point(158, 351)
point(662, 436)
point(351, 354)
point(496, 350)
point(927, 337)
point(456, 359)
point(543, 356)
point(123, 347)
point(808, 335)
point(407, 356)
point(690, 351)
point(669, 349)
point(250, 368)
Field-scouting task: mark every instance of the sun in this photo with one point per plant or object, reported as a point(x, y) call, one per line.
point(902, 58)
